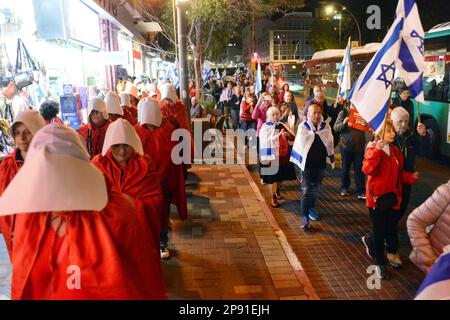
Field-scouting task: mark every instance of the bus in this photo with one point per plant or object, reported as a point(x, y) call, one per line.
point(323, 70)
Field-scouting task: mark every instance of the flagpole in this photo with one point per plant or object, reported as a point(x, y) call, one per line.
point(418, 112)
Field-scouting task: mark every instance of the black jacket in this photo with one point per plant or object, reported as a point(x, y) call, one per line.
point(352, 140)
point(410, 144)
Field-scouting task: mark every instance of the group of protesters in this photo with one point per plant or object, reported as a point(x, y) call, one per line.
point(93, 204)
point(383, 162)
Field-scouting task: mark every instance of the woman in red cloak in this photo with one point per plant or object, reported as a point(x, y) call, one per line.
point(129, 171)
point(155, 134)
point(94, 132)
point(125, 103)
point(73, 238)
point(22, 130)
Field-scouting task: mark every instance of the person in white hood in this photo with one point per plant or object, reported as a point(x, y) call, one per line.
point(113, 107)
point(26, 125)
point(313, 148)
point(73, 239)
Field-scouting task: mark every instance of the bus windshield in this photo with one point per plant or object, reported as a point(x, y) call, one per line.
point(437, 73)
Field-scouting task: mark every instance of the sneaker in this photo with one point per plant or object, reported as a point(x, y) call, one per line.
point(382, 273)
point(164, 251)
point(362, 196)
point(312, 214)
point(394, 260)
point(305, 223)
point(344, 193)
point(369, 248)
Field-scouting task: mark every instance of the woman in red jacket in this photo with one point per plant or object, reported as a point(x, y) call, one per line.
point(129, 171)
point(383, 165)
point(94, 132)
point(73, 238)
point(26, 125)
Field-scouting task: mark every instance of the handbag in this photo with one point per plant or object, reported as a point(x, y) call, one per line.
point(25, 66)
point(5, 67)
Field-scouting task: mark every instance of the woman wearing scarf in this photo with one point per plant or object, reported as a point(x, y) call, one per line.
point(94, 132)
point(155, 134)
point(274, 154)
point(130, 172)
point(27, 124)
point(75, 240)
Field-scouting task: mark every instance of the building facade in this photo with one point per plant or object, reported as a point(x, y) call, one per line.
point(284, 40)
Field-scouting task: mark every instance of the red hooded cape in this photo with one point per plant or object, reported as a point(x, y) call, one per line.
point(110, 250)
point(140, 180)
point(98, 136)
point(158, 145)
point(128, 115)
point(178, 116)
point(8, 169)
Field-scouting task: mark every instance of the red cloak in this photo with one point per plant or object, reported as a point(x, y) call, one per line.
point(158, 145)
point(139, 180)
point(8, 169)
point(98, 136)
point(111, 249)
point(128, 115)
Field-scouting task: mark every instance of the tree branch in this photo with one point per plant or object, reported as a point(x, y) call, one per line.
point(209, 39)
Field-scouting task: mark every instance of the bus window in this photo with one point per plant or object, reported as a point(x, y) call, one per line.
point(437, 73)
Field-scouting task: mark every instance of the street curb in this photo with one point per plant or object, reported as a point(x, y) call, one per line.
point(295, 263)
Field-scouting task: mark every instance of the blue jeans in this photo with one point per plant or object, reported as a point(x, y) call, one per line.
point(246, 125)
point(312, 178)
point(235, 118)
point(360, 180)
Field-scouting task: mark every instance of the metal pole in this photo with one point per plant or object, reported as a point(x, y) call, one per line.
point(182, 55)
point(340, 29)
point(175, 38)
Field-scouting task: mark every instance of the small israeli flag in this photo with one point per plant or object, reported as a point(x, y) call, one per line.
point(344, 75)
point(258, 81)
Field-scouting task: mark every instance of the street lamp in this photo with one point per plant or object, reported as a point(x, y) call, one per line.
point(329, 9)
point(182, 52)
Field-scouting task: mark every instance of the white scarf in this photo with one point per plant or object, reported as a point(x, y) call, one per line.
point(305, 138)
point(269, 140)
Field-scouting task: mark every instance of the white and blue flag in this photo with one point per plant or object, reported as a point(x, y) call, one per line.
point(344, 76)
point(218, 74)
point(411, 59)
point(371, 93)
point(258, 81)
point(206, 72)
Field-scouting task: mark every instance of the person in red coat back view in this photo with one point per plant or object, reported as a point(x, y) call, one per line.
point(94, 132)
point(176, 112)
point(133, 94)
point(125, 102)
point(73, 239)
point(26, 125)
point(383, 165)
point(113, 107)
point(130, 172)
point(155, 134)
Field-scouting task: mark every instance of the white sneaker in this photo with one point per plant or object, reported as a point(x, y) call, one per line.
point(164, 253)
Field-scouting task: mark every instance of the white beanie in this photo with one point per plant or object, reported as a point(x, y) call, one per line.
point(168, 91)
point(122, 132)
point(31, 119)
point(125, 99)
point(97, 104)
point(113, 106)
point(57, 176)
point(149, 112)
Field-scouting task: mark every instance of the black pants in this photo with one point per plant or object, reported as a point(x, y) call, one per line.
point(405, 199)
point(355, 158)
point(384, 228)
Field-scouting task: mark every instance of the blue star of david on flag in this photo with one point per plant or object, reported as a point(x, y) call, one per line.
point(414, 34)
point(384, 74)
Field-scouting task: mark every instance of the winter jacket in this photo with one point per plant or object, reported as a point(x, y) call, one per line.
point(352, 140)
point(410, 144)
point(435, 213)
point(260, 115)
point(385, 174)
point(246, 111)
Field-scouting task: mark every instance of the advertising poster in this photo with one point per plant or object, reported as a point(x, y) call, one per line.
point(69, 110)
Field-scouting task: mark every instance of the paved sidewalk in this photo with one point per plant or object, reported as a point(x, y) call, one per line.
point(228, 249)
point(332, 254)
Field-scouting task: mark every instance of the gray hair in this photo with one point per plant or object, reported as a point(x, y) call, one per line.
point(271, 111)
point(399, 112)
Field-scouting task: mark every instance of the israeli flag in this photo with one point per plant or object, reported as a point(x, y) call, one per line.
point(411, 63)
point(258, 84)
point(224, 74)
point(371, 94)
point(344, 75)
point(218, 74)
point(236, 75)
point(206, 72)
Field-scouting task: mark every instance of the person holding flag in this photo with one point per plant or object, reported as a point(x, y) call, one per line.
point(401, 49)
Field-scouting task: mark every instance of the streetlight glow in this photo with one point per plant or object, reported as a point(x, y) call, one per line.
point(329, 10)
